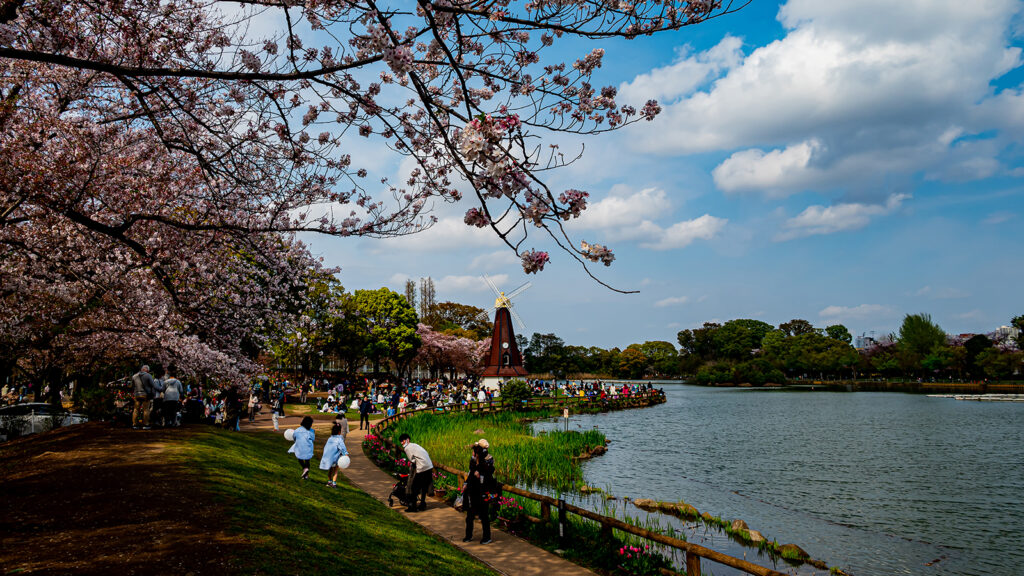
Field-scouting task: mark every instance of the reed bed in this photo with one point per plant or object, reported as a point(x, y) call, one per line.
point(550, 459)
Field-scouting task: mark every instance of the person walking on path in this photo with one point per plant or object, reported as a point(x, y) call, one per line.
point(342, 422)
point(232, 409)
point(304, 391)
point(334, 449)
point(479, 491)
point(276, 411)
point(365, 407)
point(253, 401)
point(173, 391)
point(158, 402)
point(303, 446)
point(421, 472)
point(142, 398)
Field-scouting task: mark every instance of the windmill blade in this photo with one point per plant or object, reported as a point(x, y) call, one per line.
point(485, 316)
point(491, 284)
point(522, 325)
point(519, 290)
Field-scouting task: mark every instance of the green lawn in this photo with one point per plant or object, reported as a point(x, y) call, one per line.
point(297, 527)
point(310, 410)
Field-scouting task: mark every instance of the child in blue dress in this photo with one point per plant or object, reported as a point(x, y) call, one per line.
point(334, 449)
point(303, 446)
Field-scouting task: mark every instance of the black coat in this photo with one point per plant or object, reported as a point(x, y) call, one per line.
point(477, 487)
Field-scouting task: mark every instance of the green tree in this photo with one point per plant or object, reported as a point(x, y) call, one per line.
point(389, 323)
point(305, 347)
point(918, 337)
point(1018, 323)
point(662, 358)
point(736, 339)
point(603, 361)
point(974, 346)
point(632, 362)
point(773, 346)
point(460, 319)
point(545, 353)
point(699, 342)
point(839, 332)
point(796, 327)
point(999, 364)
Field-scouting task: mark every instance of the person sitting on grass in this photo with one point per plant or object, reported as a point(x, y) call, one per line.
point(303, 446)
point(334, 449)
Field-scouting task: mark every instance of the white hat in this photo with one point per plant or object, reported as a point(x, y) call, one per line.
point(482, 443)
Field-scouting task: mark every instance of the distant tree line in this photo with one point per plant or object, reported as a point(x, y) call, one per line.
point(755, 352)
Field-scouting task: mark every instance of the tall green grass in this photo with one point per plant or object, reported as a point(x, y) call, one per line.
point(296, 527)
point(550, 459)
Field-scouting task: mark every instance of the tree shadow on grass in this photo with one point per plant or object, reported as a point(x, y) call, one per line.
point(93, 499)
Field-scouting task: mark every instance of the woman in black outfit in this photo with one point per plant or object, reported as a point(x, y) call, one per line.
point(480, 488)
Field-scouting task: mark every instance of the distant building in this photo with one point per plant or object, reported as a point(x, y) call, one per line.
point(864, 341)
point(1005, 333)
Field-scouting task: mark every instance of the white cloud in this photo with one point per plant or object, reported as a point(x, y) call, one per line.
point(688, 73)
point(778, 173)
point(468, 283)
point(941, 293)
point(856, 312)
point(627, 215)
point(682, 234)
point(625, 211)
point(675, 301)
point(399, 279)
point(972, 315)
point(882, 89)
point(447, 234)
point(999, 217)
point(498, 260)
point(828, 220)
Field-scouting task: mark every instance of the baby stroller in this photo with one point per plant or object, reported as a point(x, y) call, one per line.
point(399, 491)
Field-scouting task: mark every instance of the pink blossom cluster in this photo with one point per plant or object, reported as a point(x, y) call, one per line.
point(597, 253)
point(534, 261)
point(575, 201)
point(476, 217)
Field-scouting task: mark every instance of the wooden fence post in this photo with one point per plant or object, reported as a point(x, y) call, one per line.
point(692, 564)
point(545, 511)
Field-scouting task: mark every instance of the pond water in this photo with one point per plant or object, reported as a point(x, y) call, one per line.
point(874, 483)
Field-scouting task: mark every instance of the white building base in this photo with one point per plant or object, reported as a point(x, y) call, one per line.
point(492, 382)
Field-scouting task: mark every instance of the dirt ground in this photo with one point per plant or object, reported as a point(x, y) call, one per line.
point(94, 499)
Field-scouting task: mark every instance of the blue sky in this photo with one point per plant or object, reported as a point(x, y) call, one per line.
point(842, 162)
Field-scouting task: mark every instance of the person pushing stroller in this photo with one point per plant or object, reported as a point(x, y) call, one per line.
point(421, 472)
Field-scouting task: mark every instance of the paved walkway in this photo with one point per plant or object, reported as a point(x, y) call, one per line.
point(508, 554)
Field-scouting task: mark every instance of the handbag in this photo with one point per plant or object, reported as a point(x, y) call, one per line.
point(458, 502)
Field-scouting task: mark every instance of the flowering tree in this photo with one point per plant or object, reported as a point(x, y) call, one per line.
point(462, 88)
point(156, 156)
point(449, 353)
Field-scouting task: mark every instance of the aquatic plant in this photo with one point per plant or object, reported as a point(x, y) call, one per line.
point(520, 457)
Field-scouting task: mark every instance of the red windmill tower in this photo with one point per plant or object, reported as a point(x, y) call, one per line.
point(503, 361)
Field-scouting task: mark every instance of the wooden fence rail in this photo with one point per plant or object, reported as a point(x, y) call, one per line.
point(692, 552)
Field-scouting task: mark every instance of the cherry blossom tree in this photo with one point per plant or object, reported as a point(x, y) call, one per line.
point(464, 89)
point(156, 157)
point(443, 352)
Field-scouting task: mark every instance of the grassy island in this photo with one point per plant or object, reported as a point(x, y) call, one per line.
point(550, 459)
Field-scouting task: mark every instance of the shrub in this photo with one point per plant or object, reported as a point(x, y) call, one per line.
point(514, 394)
